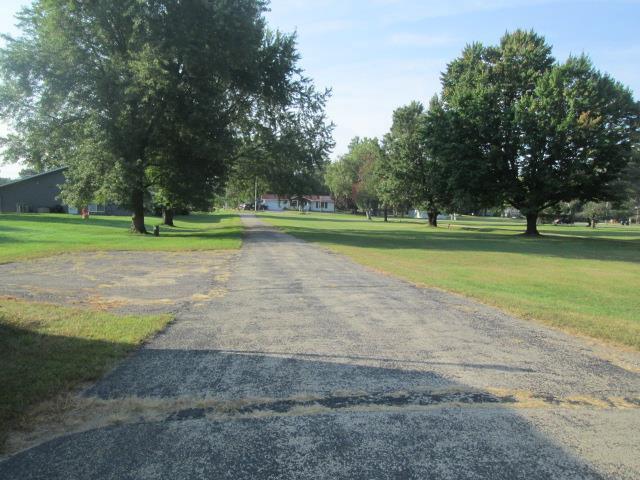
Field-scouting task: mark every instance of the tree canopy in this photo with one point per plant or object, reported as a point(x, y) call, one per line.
point(412, 173)
point(155, 96)
point(353, 177)
point(523, 129)
point(397, 174)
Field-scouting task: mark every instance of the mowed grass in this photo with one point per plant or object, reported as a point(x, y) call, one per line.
point(582, 280)
point(36, 235)
point(47, 349)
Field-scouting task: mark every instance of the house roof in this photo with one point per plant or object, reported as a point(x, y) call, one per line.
point(19, 180)
point(310, 198)
point(318, 198)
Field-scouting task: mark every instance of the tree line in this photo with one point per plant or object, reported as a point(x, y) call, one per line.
point(510, 126)
point(158, 100)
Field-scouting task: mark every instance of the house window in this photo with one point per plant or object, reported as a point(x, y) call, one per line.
point(324, 204)
point(317, 204)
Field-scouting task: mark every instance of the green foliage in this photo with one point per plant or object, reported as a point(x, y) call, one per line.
point(596, 211)
point(163, 96)
point(630, 205)
point(412, 173)
point(528, 131)
point(28, 172)
point(565, 211)
point(340, 177)
point(290, 158)
point(352, 179)
point(400, 173)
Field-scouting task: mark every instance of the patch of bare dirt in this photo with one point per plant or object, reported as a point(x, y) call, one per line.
point(123, 282)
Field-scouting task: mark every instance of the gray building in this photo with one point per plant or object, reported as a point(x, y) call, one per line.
point(32, 194)
point(40, 193)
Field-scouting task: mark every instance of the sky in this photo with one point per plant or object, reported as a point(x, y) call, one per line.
point(378, 55)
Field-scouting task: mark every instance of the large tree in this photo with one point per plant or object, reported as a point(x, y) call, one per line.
point(139, 96)
point(397, 178)
point(352, 178)
point(411, 174)
point(339, 178)
point(631, 189)
point(524, 129)
point(289, 159)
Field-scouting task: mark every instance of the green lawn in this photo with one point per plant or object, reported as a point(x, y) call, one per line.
point(47, 349)
point(582, 280)
point(35, 235)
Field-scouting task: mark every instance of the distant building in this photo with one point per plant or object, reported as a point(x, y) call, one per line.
point(511, 212)
point(415, 213)
point(312, 203)
point(40, 194)
point(33, 194)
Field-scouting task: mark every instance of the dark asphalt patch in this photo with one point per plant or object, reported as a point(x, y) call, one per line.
point(386, 399)
point(351, 401)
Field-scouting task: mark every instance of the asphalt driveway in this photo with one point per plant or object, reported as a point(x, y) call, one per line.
point(306, 365)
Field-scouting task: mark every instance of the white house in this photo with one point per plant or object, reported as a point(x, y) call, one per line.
point(415, 213)
point(311, 203)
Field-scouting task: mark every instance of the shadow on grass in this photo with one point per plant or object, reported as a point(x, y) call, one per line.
point(337, 217)
point(122, 222)
point(597, 233)
point(474, 240)
point(4, 227)
point(66, 219)
point(213, 234)
point(35, 367)
point(468, 223)
point(205, 217)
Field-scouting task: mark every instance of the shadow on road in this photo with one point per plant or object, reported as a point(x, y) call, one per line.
point(376, 422)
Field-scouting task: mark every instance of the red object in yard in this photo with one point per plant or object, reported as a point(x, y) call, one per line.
point(85, 212)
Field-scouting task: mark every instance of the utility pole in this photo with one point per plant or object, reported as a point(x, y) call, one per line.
point(255, 196)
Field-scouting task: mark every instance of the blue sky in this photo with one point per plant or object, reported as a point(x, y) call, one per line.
point(377, 55)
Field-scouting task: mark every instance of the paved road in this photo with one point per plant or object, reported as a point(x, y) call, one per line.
point(311, 366)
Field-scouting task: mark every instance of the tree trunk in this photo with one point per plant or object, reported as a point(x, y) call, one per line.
point(433, 219)
point(532, 224)
point(167, 216)
point(385, 214)
point(137, 218)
